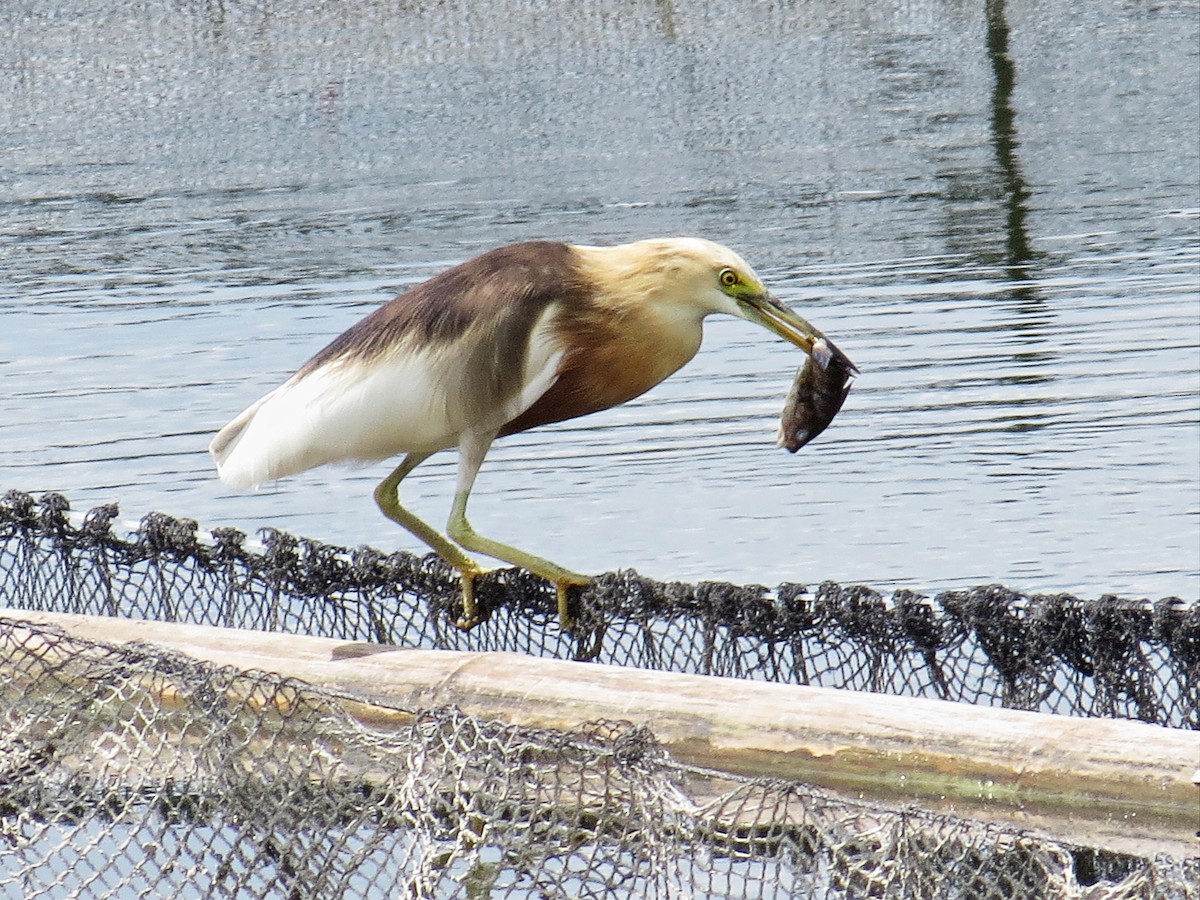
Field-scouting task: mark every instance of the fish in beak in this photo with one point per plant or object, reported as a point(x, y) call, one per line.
point(821, 384)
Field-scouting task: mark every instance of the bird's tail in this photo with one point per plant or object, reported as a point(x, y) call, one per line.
point(237, 464)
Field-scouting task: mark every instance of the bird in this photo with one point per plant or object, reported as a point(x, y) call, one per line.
point(520, 336)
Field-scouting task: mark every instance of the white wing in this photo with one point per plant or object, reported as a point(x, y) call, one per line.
point(350, 410)
point(345, 410)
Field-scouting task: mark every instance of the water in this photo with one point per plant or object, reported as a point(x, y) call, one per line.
point(995, 212)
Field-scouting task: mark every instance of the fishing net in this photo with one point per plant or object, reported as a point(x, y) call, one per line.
point(130, 770)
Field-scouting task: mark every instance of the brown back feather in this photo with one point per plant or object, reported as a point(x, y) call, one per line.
point(487, 305)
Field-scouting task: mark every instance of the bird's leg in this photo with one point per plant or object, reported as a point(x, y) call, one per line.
point(387, 497)
point(472, 448)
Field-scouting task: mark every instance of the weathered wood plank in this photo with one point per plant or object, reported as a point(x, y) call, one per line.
point(1102, 782)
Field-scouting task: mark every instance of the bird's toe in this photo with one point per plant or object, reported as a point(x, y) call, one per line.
point(562, 588)
point(472, 615)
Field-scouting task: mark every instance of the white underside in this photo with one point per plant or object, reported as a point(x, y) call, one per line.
point(354, 411)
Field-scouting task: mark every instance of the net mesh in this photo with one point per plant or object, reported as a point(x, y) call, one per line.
point(128, 770)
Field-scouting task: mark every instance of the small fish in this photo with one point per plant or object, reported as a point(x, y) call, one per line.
point(817, 394)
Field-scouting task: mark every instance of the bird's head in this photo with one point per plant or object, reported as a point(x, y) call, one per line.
point(704, 277)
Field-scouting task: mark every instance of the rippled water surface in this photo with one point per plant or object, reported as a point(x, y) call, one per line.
point(994, 210)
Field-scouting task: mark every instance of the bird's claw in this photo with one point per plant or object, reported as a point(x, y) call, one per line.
point(465, 624)
point(562, 588)
point(590, 640)
point(471, 615)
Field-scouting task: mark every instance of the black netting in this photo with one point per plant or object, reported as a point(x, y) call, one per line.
point(989, 645)
point(129, 770)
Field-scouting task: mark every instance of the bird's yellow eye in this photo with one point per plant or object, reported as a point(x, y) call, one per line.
point(728, 277)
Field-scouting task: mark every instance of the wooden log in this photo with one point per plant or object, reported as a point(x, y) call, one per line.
point(1108, 783)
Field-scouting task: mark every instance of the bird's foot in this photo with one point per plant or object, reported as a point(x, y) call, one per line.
point(562, 585)
point(589, 640)
point(471, 616)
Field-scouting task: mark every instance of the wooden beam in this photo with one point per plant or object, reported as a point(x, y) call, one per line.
point(1108, 783)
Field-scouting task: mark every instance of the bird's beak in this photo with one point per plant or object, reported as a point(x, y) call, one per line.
point(768, 312)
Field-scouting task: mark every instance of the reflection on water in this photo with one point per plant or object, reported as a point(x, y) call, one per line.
point(994, 211)
point(1004, 136)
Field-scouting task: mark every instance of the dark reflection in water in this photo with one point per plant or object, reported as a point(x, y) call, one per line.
point(994, 210)
point(1036, 315)
point(1004, 135)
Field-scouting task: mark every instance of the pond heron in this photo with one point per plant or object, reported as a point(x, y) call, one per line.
point(520, 336)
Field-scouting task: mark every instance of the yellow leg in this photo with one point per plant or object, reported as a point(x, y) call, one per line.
point(472, 447)
point(460, 530)
point(387, 497)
